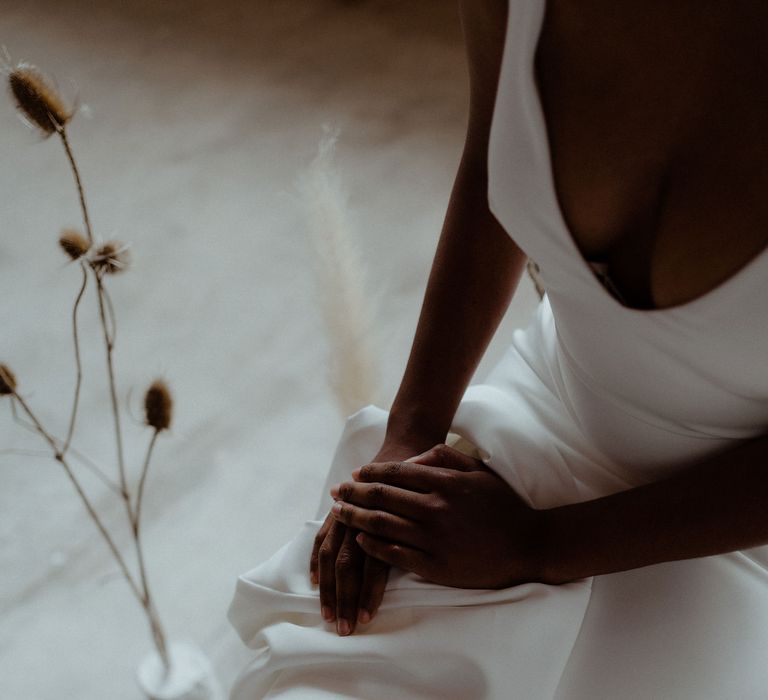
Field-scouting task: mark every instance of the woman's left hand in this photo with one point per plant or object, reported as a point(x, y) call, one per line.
point(446, 517)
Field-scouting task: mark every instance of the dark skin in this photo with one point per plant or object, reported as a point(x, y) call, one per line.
point(656, 117)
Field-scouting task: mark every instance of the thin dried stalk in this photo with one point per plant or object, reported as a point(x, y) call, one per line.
point(78, 362)
point(59, 457)
point(157, 629)
point(143, 595)
point(110, 316)
point(78, 182)
point(109, 348)
point(83, 458)
point(108, 338)
point(109, 329)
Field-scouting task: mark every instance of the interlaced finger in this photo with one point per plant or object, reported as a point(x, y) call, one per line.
point(319, 539)
point(399, 555)
point(375, 577)
point(379, 523)
point(327, 554)
point(350, 563)
point(381, 497)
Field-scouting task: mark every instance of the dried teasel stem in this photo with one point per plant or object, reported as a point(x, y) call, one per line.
point(84, 459)
point(108, 259)
point(59, 457)
point(109, 347)
point(158, 411)
point(44, 108)
point(108, 339)
point(78, 183)
point(141, 590)
point(78, 362)
point(157, 628)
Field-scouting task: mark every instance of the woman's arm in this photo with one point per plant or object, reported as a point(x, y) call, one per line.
point(476, 267)
point(474, 274)
point(717, 505)
point(451, 520)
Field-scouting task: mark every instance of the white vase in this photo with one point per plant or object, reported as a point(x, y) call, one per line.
point(190, 676)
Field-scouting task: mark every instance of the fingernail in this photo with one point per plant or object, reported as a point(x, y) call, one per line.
point(313, 577)
point(327, 613)
point(364, 617)
point(336, 510)
point(342, 626)
point(334, 491)
point(356, 474)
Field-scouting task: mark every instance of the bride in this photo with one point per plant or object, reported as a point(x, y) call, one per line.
point(605, 535)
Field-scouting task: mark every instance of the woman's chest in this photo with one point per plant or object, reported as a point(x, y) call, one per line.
point(657, 147)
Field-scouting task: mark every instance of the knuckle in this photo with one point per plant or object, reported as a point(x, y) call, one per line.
point(377, 522)
point(325, 556)
point(437, 506)
point(376, 493)
point(344, 563)
point(345, 491)
point(450, 478)
point(442, 450)
point(393, 469)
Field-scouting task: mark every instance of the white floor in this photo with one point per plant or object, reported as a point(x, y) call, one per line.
point(202, 115)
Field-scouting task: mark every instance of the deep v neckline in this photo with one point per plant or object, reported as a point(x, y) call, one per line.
point(550, 187)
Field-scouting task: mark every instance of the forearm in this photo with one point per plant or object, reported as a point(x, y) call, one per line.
point(474, 274)
point(715, 506)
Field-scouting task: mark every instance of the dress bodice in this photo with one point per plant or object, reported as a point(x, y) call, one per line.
point(697, 371)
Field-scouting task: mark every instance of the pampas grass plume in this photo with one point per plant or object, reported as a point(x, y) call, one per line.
point(158, 405)
point(340, 277)
point(73, 243)
point(38, 100)
point(7, 381)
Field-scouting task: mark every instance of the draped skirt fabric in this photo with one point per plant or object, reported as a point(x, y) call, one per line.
point(690, 629)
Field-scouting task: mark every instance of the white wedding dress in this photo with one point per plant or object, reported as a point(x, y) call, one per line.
point(590, 399)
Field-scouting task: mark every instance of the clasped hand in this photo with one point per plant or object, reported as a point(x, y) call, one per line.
point(443, 516)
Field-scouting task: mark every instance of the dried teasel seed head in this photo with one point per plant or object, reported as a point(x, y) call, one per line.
point(111, 258)
point(73, 243)
point(7, 381)
point(38, 100)
point(158, 405)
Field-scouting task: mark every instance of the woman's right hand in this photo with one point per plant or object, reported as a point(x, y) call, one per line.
point(351, 582)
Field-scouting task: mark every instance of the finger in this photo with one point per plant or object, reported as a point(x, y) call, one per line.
point(448, 458)
point(319, 539)
point(378, 523)
point(349, 578)
point(327, 569)
point(375, 576)
point(380, 497)
point(405, 475)
point(394, 554)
